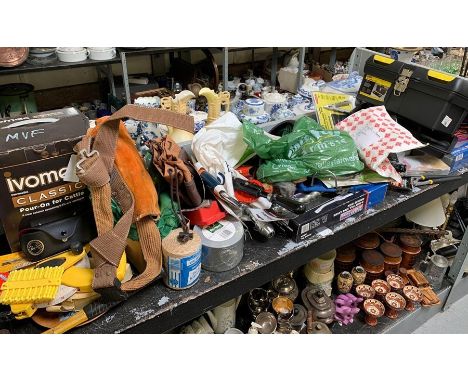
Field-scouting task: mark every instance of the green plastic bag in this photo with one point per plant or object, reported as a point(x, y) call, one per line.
point(309, 149)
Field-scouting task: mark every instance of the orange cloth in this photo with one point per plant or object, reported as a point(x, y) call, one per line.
point(132, 170)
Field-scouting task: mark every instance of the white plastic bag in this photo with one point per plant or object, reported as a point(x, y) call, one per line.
point(376, 135)
point(219, 146)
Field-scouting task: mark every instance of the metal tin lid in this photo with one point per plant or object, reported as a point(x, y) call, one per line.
point(390, 249)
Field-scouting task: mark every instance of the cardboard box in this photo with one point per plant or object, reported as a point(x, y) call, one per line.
point(327, 214)
point(458, 157)
point(34, 153)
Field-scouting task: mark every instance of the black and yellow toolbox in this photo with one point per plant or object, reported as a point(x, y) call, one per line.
point(430, 103)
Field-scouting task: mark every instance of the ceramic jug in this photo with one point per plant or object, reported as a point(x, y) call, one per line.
point(223, 317)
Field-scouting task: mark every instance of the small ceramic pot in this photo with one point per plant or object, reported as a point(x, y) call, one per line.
point(274, 101)
point(392, 256)
point(411, 246)
point(254, 107)
point(344, 282)
point(373, 309)
point(323, 263)
point(396, 282)
point(368, 241)
point(408, 259)
point(404, 275)
point(101, 53)
point(395, 303)
point(413, 296)
point(381, 288)
point(345, 258)
point(359, 275)
point(373, 262)
point(296, 99)
point(365, 291)
point(72, 55)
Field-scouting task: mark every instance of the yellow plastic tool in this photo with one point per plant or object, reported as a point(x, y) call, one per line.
point(72, 276)
point(35, 285)
point(13, 261)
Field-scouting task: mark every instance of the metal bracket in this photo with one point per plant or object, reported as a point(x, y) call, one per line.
point(459, 264)
point(402, 82)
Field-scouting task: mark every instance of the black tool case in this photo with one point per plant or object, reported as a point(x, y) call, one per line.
point(424, 97)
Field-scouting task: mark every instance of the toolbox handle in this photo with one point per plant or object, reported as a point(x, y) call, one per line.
point(436, 75)
point(31, 121)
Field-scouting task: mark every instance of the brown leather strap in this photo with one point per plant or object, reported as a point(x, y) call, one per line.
point(96, 169)
point(166, 117)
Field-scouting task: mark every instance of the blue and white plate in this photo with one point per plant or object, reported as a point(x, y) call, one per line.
point(255, 119)
point(282, 114)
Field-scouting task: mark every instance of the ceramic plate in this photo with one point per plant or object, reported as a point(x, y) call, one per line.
point(256, 119)
point(304, 108)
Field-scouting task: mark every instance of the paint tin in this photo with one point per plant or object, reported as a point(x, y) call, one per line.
point(182, 261)
point(222, 244)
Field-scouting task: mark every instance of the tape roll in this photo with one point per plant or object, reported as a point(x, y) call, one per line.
point(182, 261)
point(222, 244)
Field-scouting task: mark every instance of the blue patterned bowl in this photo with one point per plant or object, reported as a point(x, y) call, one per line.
point(254, 107)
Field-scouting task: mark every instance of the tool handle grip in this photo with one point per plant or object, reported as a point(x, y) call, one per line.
point(289, 203)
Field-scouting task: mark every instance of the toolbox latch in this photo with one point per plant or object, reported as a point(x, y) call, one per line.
point(402, 81)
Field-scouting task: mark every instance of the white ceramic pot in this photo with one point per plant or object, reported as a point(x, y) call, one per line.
point(101, 53)
point(72, 56)
point(324, 263)
point(274, 101)
point(316, 278)
point(223, 317)
point(70, 49)
point(254, 107)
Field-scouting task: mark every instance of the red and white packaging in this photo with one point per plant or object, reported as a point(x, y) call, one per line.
point(377, 135)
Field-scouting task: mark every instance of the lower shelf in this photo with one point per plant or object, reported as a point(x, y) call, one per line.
point(407, 322)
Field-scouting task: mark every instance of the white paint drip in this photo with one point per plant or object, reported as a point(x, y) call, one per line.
point(110, 318)
point(139, 314)
point(289, 246)
point(163, 300)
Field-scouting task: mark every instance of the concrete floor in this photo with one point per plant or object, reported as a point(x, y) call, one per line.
point(453, 321)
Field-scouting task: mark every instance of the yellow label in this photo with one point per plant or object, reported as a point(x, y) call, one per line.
point(375, 88)
point(379, 81)
point(324, 100)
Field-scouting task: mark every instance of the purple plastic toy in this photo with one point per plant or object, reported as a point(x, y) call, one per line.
point(346, 308)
